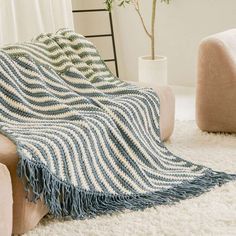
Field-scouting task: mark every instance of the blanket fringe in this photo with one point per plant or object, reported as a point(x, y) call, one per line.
point(63, 199)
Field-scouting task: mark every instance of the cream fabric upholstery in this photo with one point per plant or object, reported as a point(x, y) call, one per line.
point(216, 84)
point(5, 201)
point(26, 215)
point(167, 120)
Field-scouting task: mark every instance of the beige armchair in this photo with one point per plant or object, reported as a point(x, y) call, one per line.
point(216, 84)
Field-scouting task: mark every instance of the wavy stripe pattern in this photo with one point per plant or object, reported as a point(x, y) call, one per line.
point(88, 142)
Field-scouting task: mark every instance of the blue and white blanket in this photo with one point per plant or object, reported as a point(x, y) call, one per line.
point(88, 143)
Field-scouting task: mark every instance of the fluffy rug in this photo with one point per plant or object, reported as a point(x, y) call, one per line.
point(213, 213)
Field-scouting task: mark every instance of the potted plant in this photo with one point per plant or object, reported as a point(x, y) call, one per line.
point(152, 68)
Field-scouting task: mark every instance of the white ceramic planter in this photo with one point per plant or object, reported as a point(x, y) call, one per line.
point(153, 72)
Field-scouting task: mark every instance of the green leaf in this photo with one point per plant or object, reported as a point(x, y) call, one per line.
point(123, 3)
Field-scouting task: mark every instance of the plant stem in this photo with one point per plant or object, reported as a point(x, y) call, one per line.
point(151, 35)
point(137, 8)
point(154, 4)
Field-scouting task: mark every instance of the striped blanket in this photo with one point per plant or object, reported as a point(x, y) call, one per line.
point(88, 143)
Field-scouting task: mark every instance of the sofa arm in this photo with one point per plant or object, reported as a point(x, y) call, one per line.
point(167, 111)
point(26, 214)
point(6, 201)
point(167, 108)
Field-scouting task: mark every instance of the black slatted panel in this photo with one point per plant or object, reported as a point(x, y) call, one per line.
point(111, 34)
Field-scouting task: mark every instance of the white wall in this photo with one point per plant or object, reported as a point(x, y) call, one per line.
point(181, 26)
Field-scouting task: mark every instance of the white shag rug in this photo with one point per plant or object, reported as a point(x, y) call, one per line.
point(213, 213)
